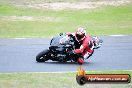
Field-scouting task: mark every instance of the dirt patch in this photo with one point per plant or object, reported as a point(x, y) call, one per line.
point(30, 18)
point(76, 5)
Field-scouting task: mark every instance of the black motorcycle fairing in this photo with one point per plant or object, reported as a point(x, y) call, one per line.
point(77, 44)
point(60, 47)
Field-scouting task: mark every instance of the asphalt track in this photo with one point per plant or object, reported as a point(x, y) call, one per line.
point(18, 55)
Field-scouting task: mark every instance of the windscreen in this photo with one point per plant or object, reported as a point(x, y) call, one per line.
point(59, 40)
point(64, 40)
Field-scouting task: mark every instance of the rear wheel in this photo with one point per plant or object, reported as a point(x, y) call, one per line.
point(42, 56)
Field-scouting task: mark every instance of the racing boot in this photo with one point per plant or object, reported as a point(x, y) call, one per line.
point(80, 60)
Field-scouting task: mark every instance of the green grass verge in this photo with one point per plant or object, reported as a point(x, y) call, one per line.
point(107, 20)
point(45, 1)
point(53, 80)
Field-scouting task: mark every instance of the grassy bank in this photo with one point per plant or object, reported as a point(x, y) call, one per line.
point(29, 22)
point(53, 80)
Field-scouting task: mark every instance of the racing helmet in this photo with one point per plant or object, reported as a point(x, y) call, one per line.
point(80, 33)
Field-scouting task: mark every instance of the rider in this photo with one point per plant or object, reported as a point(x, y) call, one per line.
point(84, 44)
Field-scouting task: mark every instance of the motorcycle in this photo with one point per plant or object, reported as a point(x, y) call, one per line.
point(61, 47)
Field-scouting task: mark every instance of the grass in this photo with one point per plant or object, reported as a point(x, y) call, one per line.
point(53, 80)
point(46, 1)
point(105, 20)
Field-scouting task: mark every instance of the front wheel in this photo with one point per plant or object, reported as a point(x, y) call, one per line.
point(42, 56)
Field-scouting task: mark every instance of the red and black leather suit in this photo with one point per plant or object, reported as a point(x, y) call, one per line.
point(84, 47)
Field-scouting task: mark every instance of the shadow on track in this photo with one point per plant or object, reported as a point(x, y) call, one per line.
point(65, 63)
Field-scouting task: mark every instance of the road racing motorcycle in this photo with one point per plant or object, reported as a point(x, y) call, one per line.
point(61, 47)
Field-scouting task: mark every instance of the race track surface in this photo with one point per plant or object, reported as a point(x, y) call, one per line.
point(18, 55)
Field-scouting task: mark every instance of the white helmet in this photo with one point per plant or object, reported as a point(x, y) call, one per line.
point(80, 33)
